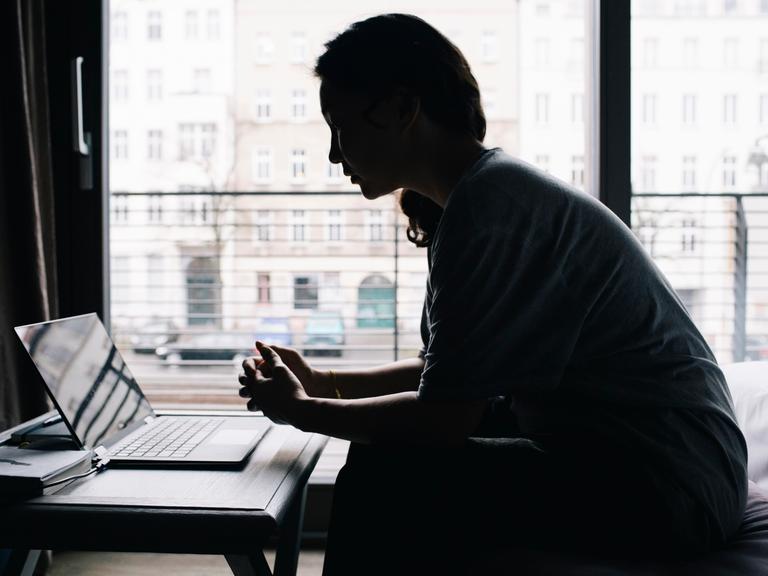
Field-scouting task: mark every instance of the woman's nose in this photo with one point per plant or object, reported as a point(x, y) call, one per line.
point(334, 154)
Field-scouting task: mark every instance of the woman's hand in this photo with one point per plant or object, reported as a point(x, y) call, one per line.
point(316, 383)
point(271, 386)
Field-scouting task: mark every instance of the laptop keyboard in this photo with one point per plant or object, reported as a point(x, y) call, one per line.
point(170, 438)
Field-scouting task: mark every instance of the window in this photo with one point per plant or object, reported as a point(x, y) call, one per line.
point(298, 165)
point(542, 161)
point(154, 84)
point(120, 85)
point(729, 109)
point(262, 165)
point(375, 225)
point(263, 105)
point(648, 174)
point(197, 140)
point(649, 108)
point(729, 172)
point(689, 109)
point(155, 145)
point(119, 208)
point(207, 139)
point(214, 25)
point(650, 52)
point(542, 108)
point(119, 26)
point(305, 292)
point(690, 52)
point(542, 52)
point(490, 103)
point(730, 53)
point(489, 46)
point(688, 235)
point(577, 171)
point(201, 80)
point(335, 229)
point(298, 48)
point(264, 292)
point(298, 226)
point(186, 141)
point(577, 108)
point(155, 208)
point(298, 105)
point(576, 54)
point(191, 25)
point(263, 226)
point(689, 173)
point(154, 25)
point(265, 49)
point(120, 145)
point(333, 172)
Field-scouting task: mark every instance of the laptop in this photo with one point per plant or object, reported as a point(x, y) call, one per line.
point(102, 405)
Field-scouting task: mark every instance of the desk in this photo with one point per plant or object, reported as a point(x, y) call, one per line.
point(230, 512)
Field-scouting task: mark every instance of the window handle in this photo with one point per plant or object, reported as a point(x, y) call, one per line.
point(78, 134)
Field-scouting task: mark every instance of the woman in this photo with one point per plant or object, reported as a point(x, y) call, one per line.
point(563, 400)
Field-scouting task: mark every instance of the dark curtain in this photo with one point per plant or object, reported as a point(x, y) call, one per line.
point(27, 242)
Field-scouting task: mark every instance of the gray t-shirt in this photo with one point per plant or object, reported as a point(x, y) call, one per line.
point(539, 294)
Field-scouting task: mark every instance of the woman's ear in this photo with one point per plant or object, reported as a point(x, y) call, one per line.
point(408, 107)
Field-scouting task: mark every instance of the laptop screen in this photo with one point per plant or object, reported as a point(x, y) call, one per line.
point(86, 377)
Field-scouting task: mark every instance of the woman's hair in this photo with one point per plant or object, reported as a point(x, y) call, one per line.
point(374, 57)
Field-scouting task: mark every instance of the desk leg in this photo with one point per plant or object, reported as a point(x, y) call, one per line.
point(287, 552)
point(248, 565)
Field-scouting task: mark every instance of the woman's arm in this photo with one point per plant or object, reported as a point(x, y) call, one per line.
point(401, 376)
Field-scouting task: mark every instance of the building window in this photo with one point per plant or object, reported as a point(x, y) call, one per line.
point(154, 84)
point(648, 174)
point(375, 225)
point(201, 80)
point(542, 162)
point(489, 46)
point(203, 292)
point(120, 144)
point(376, 302)
point(335, 230)
point(576, 54)
point(577, 108)
point(689, 173)
point(731, 53)
point(262, 165)
point(299, 104)
point(155, 145)
point(490, 101)
point(764, 108)
point(263, 225)
point(541, 52)
point(729, 172)
point(688, 235)
point(264, 290)
point(263, 105)
point(119, 26)
point(190, 28)
point(155, 208)
point(298, 165)
point(650, 52)
point(729, 109)
point(542, 108)
point(197, 140)
point(120, 85)
point(333, 172)
point(577, 171)
point(207, 139)
point(214, 25)
point(154, 25)
point(689, 109)
point(119, 208)
point(305, 292)
point(298, 48)
point(690, 53)
point(265, 49)
point(186, 141)
point(298, 226)
point(649, 108)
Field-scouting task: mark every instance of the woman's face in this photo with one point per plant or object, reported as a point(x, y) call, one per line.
point(365, 139)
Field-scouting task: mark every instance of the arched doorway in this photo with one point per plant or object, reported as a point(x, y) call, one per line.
point(376, 302)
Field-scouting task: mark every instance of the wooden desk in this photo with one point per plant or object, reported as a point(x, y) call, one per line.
point(230, 512)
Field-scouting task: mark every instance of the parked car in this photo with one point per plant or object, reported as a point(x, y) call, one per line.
point(234, 346)
point(756, 348)
point(273, 331)
point(323, 335)
point(152, 335)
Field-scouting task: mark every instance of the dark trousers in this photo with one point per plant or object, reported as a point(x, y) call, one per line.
point(423, 510)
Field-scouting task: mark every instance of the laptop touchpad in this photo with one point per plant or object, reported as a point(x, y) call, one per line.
point(232, 437)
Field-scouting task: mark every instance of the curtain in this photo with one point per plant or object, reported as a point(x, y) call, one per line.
point(27, 242)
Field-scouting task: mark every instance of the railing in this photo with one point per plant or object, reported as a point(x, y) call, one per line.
point(196, 277)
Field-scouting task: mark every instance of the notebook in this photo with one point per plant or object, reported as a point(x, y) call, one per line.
point(102, 404)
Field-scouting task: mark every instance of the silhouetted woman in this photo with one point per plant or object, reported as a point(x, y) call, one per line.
point(563, 400)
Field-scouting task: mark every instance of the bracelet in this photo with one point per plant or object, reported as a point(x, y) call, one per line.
point(333, 383)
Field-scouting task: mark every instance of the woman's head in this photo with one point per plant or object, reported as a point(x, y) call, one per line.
point(377, 77)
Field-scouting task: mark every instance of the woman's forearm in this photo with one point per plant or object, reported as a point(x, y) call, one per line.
point(401, 376)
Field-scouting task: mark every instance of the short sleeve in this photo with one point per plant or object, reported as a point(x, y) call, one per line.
point(500, 316)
